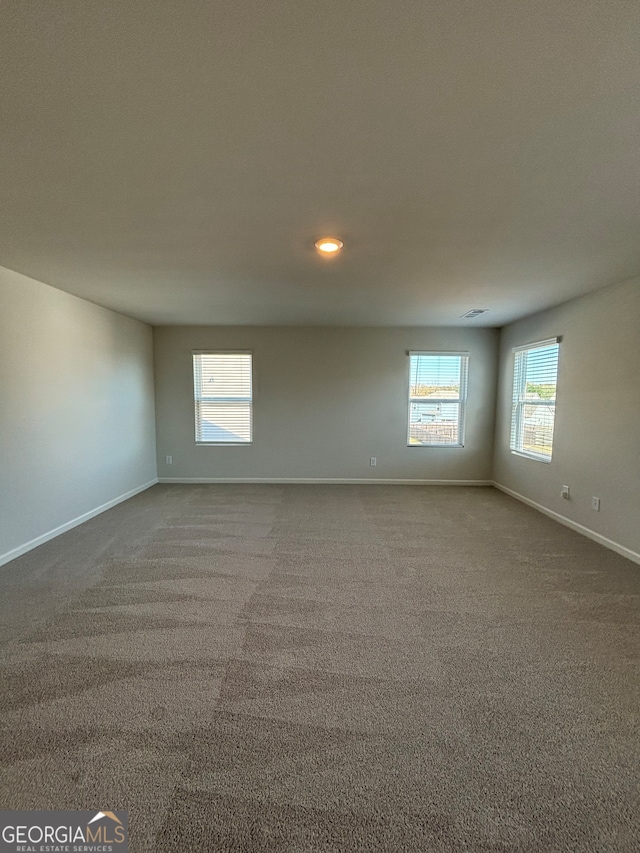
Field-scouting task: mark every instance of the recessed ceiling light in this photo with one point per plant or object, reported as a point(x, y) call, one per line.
point(329, 245)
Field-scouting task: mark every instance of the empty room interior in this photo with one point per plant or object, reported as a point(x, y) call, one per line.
point(320, 424)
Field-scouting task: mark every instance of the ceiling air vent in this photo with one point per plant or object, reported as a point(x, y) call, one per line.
point(475, 312)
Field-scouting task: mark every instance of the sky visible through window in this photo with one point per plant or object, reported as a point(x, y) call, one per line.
point(434, 372)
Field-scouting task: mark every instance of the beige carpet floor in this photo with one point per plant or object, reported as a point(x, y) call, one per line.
point(326, 668)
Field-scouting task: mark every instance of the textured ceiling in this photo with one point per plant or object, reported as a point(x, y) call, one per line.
point(176, 160)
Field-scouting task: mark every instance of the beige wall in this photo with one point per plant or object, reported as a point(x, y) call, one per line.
point(597, 432)
point(76, 410)
point(326, 399)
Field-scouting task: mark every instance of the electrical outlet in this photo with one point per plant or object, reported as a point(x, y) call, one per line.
point(565, 492)
point(373, 461)
point(168, 460)
point(595, 504)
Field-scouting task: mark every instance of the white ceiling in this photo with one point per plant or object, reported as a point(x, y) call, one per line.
point(176, 160)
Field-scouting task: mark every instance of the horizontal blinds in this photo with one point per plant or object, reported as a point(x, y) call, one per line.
point(437, 394)
point(223, 397)
point(534, 398)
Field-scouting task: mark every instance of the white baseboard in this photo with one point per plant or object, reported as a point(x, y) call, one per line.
point(51, 534)
point(328, 481)
point(579, 528)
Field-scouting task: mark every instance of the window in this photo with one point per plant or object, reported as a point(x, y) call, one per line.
point(437, 396)
point(534, 399)
point(223, 397)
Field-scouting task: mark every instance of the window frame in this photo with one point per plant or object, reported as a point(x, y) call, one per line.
point(518, 401)
point(460, 401)
point(216, 399)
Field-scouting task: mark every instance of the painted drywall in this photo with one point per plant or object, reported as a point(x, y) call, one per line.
point(76, 410)
point(326, 400)
point(596, 448)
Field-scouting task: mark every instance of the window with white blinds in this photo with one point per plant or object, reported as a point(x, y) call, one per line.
point(535, 373)
point(223, 397)
point(437, 398)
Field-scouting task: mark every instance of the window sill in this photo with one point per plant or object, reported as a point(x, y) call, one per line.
point(224, 443)
point(436, 446)
point(534, 456)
